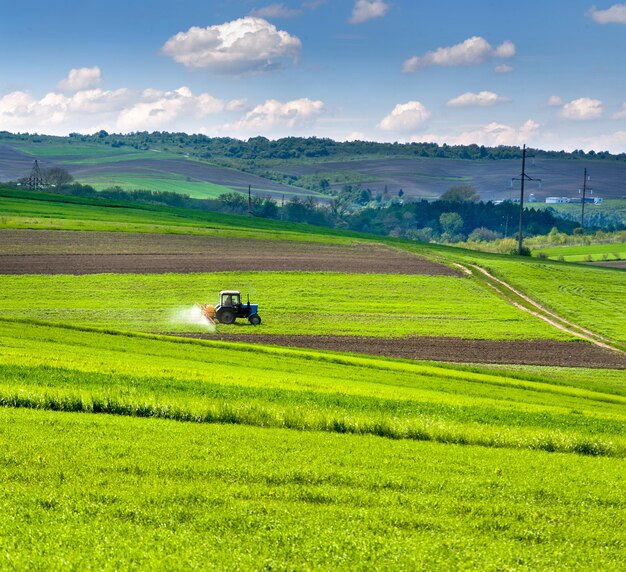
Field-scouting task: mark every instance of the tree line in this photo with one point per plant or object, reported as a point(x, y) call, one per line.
point(287, 148)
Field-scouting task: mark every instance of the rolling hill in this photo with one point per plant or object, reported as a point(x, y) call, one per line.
point(184, 167)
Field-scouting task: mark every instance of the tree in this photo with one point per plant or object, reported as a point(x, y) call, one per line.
point(234, 202)
point(482, 234)
point(56, 177)
point(451, 223)
point(460, 194)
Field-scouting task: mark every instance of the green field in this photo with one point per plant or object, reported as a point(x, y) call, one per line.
point(82, 370)
point(235, 498)
point(299, 459)
point(159, 182)
point(122, 448)
point(309, 303)
point(615, 207)
point(585, 253)
point(21, 209)
point(82, 150)
point(593, 297)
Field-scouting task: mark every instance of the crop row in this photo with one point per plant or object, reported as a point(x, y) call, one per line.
point(224, 383)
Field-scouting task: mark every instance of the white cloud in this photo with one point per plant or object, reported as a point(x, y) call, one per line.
point(474, 50)
point(621, 114)
point(490, 135)
point(616, 14)
point(81, 78)
point(159, 109)
point(505, 50)
point(20, 110)
point(241, 46)
point(365, 10)
point(480, 99)
point(555, 101)
point(405, 117)
point(503, 68)
point(582, 109)
point(237, 105)
point(121, 110)
point(274, 116)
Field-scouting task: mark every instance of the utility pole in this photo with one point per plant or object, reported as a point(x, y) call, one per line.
point(522, 178)
point(582, 206)
point(249, 201)
point(35, 180)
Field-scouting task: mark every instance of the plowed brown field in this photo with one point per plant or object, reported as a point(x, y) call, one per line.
point(529, 352)
point(66, 252)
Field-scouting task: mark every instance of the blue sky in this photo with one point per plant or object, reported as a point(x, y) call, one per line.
point(546, 73)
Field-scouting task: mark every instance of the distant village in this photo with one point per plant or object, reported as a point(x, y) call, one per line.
point(557, 200)
point(563, 200)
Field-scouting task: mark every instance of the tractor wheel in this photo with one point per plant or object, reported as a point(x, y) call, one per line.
point(255, 319)
point(226, 317)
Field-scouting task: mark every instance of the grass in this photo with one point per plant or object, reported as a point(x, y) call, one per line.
point(83, 150)
point(46, 367)
point(290, 303)
point(585, 253)
point(23, 209)
point(592, 297)
point(159, 182)
point(128, 450)
point(589, 296)
point(104, 492)
point(609, 207)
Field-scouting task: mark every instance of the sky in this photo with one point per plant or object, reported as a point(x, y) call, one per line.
point(547, 73)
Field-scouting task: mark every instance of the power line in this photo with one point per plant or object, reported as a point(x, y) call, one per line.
point(35, 180)
point(582, 206)
point(522, 178)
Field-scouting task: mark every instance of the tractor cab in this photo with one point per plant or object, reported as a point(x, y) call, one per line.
point(230, 299)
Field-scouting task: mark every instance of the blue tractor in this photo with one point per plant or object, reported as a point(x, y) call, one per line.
point(230, 308)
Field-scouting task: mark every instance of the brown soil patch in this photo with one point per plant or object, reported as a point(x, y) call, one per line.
point(527, 352)
point(66, 252)
point(611, 264)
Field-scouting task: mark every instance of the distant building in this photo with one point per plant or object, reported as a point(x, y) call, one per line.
point(588, 200)
point(532, 198)
point(557, 200)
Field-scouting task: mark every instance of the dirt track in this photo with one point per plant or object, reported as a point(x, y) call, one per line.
point(65, 252)
point(529, 352)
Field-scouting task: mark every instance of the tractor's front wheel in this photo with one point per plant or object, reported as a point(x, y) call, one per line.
point(226, 316)
point(255, 319)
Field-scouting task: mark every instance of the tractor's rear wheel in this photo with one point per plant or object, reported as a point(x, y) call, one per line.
point(226, 316)
point(255, 319)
